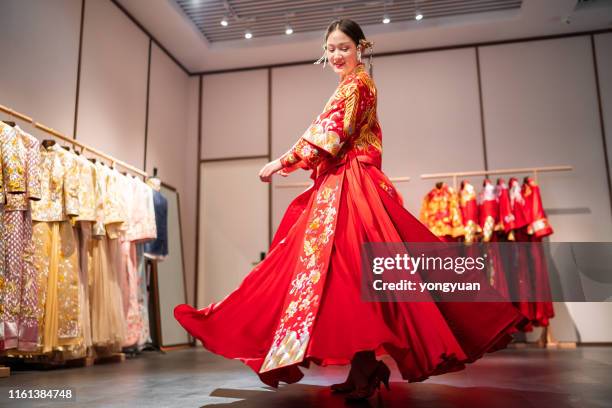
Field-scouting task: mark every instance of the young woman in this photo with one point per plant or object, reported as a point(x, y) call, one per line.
point(302, 303)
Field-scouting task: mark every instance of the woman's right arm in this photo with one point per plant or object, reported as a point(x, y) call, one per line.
point(302, 155)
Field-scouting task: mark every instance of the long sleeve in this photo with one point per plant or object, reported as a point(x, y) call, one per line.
point(71, 184)
point(13, 161)
point(331, 129)
point(33, 159)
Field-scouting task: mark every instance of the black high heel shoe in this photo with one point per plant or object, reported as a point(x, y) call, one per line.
point(344, 387)
point(381, 374)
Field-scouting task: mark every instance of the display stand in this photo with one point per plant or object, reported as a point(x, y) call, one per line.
point(4, 371)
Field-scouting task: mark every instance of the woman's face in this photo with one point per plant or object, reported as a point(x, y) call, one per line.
point(341, 52)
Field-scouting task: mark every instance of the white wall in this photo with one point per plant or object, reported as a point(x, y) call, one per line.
point(39, 46)
point(293, 109)
point(235, 114)
point(39, 41)
point(603, 51)
point(233, 202)
point(539, 107)
point(430, 117)
point(170, 139)
point(233, 225)
point(189, 209)
point(112, 99)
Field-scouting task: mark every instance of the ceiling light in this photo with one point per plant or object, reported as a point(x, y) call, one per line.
point(224, 22)
point(418, 16)
point(288, 30)
point(386, 19)
point(248, 35)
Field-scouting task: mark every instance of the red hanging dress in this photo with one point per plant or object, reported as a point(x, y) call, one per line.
point(537, 228)
point(302, 303)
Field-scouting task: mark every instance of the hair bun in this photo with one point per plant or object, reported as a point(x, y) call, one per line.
point(366, 43)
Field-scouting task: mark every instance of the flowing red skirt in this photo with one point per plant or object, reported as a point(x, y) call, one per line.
point(424, 338)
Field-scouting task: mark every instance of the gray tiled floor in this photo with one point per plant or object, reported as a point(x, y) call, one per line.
point(195, 378)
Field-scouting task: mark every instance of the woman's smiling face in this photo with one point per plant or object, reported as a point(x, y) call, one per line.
point(341, 52)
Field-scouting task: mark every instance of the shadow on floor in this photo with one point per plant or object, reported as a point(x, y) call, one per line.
point(403, 395)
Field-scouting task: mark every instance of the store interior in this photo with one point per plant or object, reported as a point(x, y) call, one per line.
point(472, 92)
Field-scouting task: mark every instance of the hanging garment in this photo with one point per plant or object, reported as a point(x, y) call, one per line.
point(506, 217)
point(538, 224)
point(521, 280)
point(20, 285)
point(12, 165)
point(144, 229)
point(537, 228)
point(488, 211)
point(144, 336)
point(440, 212)
point(517, 203)
point(139, 227)
point(274, 328)
point(56, 254)
point(107, 316)
point(527, 262)
point(84, 225)
point(469, 211)
point(158, 248)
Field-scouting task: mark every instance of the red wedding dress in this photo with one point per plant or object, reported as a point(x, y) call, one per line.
point(303, 304)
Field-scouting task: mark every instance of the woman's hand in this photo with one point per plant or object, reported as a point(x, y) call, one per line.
point(265, 174)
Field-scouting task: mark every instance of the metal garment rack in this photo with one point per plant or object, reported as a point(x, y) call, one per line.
point(546, 339)
point(84, 148)
point(306, 184)
point(5, 371)
point(534, 170)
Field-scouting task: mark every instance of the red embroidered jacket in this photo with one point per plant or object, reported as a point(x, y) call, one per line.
point(348, 121)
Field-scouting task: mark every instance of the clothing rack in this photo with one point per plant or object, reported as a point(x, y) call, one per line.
point(534, 170)
point(546, 339)
point(72, 141)
point(306, 184)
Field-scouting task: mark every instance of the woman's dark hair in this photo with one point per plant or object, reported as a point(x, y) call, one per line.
point(348, 27)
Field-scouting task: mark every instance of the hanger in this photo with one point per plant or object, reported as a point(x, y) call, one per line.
point(69, 140)
point(48, 143)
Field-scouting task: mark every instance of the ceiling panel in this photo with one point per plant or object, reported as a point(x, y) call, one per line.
point(269, 18)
